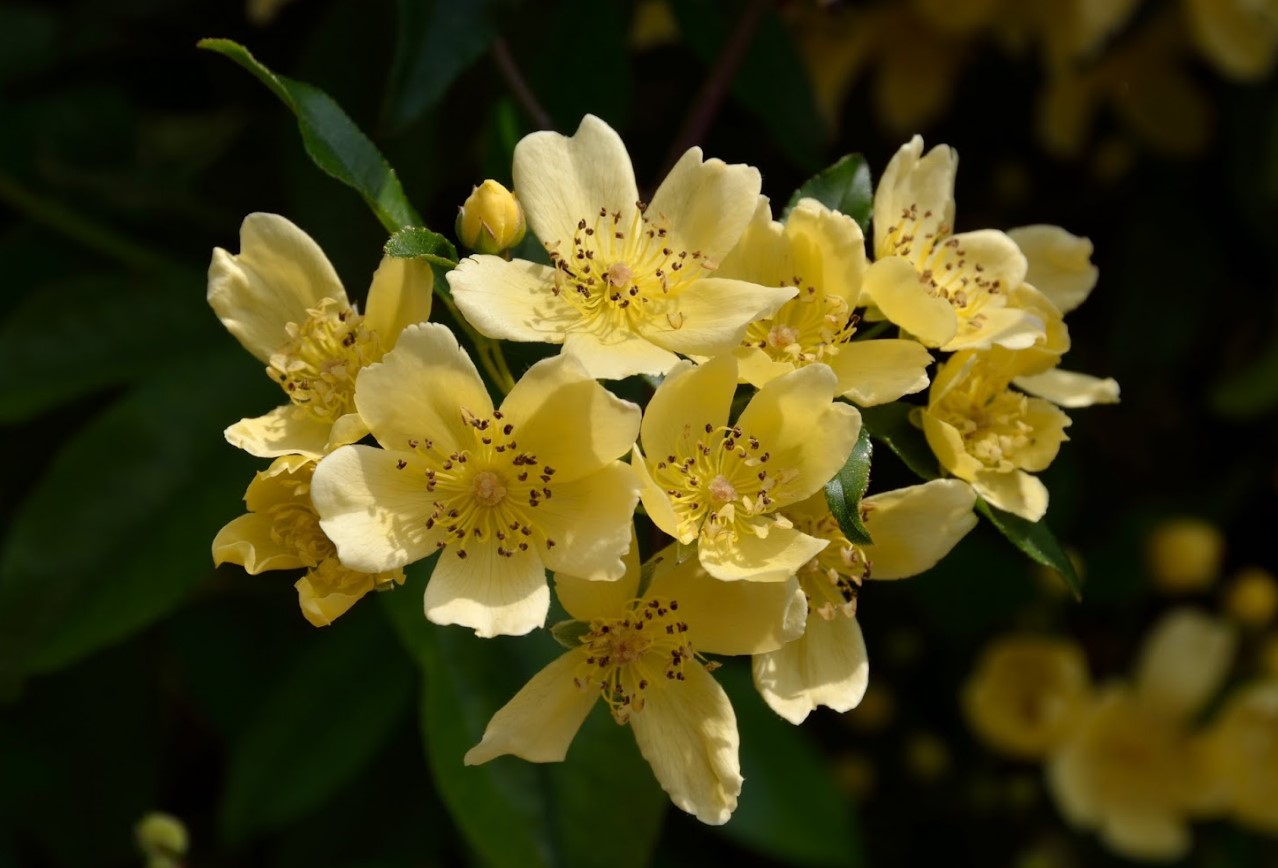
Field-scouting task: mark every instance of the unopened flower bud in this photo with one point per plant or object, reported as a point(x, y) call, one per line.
point(491, 220)
point(162, 839)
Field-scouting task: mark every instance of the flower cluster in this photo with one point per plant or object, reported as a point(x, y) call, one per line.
point(754, 342)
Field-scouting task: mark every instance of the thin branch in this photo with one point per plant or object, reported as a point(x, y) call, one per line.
point(709, 99)
point(519, 86)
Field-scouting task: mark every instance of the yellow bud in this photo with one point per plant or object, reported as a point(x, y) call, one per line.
point(1184, 555)
point(491, 220)
point(162, 838)
point(1252, 597)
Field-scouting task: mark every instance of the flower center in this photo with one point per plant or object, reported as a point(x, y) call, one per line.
point(627, 656)
point(809, 328)
point(296, 526)
point(619, 270)
point(317, 367)
point(486, 494)
point(718, 482)
point(942, 262)
point(992, 419)
point(832, 580)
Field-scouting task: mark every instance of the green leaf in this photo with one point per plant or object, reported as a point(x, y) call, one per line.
point(1035, 539)
point(843, 493)
point(1252, 391)
point(548, 814)
point(334, 143)
point(414, 242)
point(323, 722)
point(790, 807)
point(890, 425)
point(844, 187)
point(117, 533)
point(771, 82)
point(66, 340)
point(435, 43)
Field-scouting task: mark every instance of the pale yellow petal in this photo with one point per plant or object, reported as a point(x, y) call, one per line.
point(512, 301)
point(948, 447)
point(590, 521)
point(828, 666)
point(419, 389)
point(903, 296)
point(1060, 264)
point(829, 250)
point(774, 558)
point(399, 296)
point(917, 183)
point(248, 541)
point(757, 368)
point(1184, 660)
point(1146, 833)
point(561, 180)
point(321, 610)
point(710, 316)
point(1016, 492)
point(372, 509)
point(278, 275)
point(492, 594)
point(540, 721)
point(763, 253)
point(730, 617)
point(347, 429)
point(807, 436)
point(1000, 326)
point(690, 398)
point(587, 600)
point(620, 354)
point(1049, 425)
point(285, 430)
point(687, 732)
point(1070, 389)
point(877, 371)
point(914, 527)
point(567, 420)
point(706, 204)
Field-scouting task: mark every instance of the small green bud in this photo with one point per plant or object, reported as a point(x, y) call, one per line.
point(491, 220)
point(162, 839)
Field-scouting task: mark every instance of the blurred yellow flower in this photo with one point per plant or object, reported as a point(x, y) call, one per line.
point(913, 528)
point(1241, 747)
point(631, 284)
point(1184, 555)
point(1130, 768)
point(281, 531)
point(723, 485)
point(949, 291)
point(993, 437)
point(1251, 597)
point(642, 656)
point(282, 300)
point(502, 494)
point(1238, 37)
point(1025, 694)
point(822, 253)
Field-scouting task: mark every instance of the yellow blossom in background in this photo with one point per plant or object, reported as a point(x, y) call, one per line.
point(1241, 749)
point(640, 653)
point(163, 839)
point(502, 494)
point(1251, 597)
point(631, 283)
point(1025, 694)
point(281, 531)
point(949, 291)
point(912, 528)
point(990, 435)
point(282, 300)
point(822, 253)
point(1238, 37)
point(491, 219)
point(1184, 555)
point(1130, 768)
point(724, 486)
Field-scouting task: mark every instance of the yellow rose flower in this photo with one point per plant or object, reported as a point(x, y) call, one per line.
point(642, 656)
point(282, 300)
point(822, 252)
point(1241, 749)
point(631, 284)
point(502, 494)
point(993, 437)
point(1184, 555)
point(723, 486)
point(913, 528)
point(949, 291)
point(281, 531)
point(1025, 693)
point(1130, 768)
